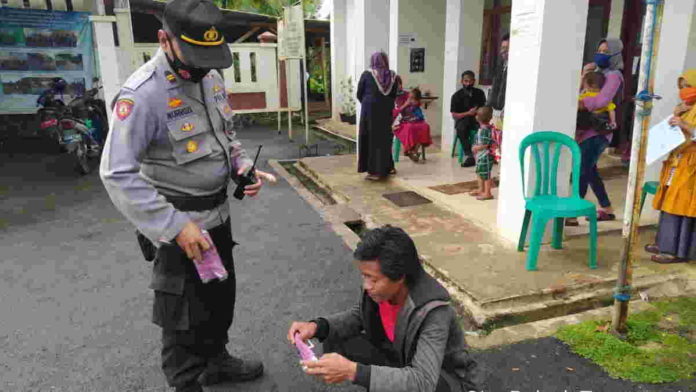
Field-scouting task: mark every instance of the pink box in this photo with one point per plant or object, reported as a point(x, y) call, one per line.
point(210, 268)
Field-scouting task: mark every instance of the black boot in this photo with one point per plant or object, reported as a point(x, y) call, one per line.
point(226, 368)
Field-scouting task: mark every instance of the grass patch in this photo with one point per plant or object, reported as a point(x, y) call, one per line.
point(660, 345)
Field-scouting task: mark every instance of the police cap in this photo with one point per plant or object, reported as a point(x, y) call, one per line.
point(194, 24)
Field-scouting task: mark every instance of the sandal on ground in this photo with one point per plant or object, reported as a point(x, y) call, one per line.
point(572, 222)
point(663, 258)
point(482, 198)
point(603, 216)
point(372, 177)
point(652, 248)
point(413, 156)
point(392, 172)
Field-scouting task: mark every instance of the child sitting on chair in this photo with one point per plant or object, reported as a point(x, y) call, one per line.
point(410, 126)
point(484, 150)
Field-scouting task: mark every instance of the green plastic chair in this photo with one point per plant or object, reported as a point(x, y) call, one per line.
point(545, 204)
point(459, 150)
point(649, 187)
point(396, 149)
point(457, 146)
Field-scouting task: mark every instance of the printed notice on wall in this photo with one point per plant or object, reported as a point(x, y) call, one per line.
point(418, 60)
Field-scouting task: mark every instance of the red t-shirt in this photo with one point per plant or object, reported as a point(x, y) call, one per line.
point(388, 313)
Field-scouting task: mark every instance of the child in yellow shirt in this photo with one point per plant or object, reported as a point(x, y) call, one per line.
point(592, 84)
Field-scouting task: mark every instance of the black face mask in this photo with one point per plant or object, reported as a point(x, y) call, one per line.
point(192, 74)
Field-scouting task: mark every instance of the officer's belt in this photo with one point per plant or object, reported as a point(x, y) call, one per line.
point(198, 203)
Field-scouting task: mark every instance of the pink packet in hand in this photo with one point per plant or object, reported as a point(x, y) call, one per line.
point(304, 350)
point(210, 268)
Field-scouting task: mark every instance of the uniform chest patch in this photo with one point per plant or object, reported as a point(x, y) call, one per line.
point(175, 103)
point(220, 98)
point(124, 107)
point(179, 113)
point(170, 77)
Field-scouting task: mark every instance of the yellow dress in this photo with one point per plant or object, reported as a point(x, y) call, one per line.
point(586, 94)
point(677, 192)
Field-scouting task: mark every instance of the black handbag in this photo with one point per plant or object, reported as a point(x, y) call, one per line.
point(588, 120)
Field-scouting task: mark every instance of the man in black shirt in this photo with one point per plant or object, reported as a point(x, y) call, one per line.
point(464, 104)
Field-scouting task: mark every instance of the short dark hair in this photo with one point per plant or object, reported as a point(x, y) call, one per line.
point(416, 93)
point(468, 73)
point(394, 250)
point(506, 37)
point(594, 79)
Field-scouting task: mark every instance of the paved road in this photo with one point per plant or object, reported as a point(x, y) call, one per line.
point(75, 307)
point(73, 289)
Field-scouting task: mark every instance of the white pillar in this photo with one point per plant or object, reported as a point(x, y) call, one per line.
point(394, 34)
point(125, 42)
point(368, 29)
point(463, 30)
point(673, 51)
point(546, 50)
point(108, 57)
point(339, 43)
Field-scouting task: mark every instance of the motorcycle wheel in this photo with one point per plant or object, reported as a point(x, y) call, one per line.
point(83, 167)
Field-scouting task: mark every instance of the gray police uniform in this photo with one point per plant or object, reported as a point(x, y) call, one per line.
point(172, 142)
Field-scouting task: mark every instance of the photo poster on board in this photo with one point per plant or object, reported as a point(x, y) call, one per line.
point(37, 46)
point(417, 59)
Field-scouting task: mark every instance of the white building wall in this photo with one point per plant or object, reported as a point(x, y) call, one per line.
point(463, 33)
point(425, 19)
point(546, 49)
point(338, 53)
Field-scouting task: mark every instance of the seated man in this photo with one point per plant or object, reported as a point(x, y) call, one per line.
point(402, 336)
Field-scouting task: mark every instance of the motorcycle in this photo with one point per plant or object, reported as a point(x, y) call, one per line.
point(71, 125)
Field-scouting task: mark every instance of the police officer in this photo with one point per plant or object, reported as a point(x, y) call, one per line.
point(166, 165)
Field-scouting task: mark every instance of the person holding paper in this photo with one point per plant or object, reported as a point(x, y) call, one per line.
point(676, 198)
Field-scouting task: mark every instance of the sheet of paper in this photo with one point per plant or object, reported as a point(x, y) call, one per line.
point(662, 139)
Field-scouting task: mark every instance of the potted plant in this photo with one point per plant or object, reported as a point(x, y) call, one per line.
point(347, 101)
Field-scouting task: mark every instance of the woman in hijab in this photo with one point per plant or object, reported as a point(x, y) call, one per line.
point(676, 198)
point(593, 142)
point(376, 92)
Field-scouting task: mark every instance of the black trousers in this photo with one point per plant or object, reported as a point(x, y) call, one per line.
point(195, 322)
point(361, 350)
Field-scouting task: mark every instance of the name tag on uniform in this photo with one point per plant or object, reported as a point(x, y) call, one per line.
point(220, 98)
point(179, 113)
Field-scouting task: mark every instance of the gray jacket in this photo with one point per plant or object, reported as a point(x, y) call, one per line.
point(428, 342)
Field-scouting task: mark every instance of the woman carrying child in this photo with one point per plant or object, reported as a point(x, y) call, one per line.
point(410, 126)
point(595, 137)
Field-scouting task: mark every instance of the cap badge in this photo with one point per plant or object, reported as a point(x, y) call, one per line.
point(211, 35)
point(191, 146)
point(174, 103)
point(187, 127)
